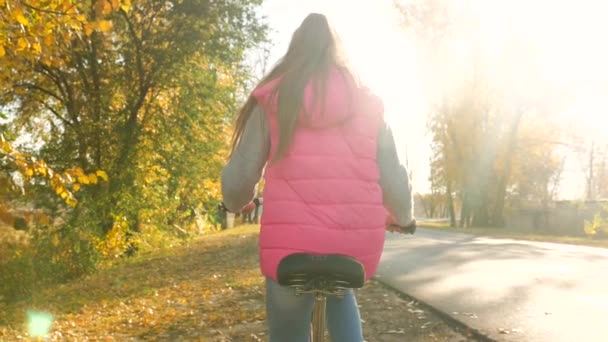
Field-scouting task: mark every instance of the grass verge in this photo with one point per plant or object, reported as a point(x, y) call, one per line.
point(207, 290)
point(504, 234)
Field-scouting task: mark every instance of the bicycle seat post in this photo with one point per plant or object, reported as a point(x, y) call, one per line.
point(321, 276)
point(318, 317)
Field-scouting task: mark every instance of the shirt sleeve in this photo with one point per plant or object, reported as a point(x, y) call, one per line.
point(394, 179)
point(244, 170)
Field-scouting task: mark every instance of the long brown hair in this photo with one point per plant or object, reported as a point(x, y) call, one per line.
point(312, 52)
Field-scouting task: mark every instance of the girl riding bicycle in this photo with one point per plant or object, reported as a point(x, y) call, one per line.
point(332, 175)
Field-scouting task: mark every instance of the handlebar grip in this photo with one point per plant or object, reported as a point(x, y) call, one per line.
point(409, 229)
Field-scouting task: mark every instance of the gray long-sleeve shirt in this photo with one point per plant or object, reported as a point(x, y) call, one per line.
point(244, 170)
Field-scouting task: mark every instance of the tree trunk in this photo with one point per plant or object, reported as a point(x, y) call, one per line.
point(481, 217)
point(465, 211)
point(497, 218)
point(450, 200)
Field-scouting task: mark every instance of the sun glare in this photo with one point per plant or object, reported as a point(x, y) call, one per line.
point(544, 51)
point(384, 57)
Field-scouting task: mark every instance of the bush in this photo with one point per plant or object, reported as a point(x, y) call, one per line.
point(598, 228)
point(48, 258)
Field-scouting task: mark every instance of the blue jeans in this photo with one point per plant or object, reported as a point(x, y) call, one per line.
point(289, 315)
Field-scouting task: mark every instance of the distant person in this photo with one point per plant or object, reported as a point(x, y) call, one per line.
point(331, 173)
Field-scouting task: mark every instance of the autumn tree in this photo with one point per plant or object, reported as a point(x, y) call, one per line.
point(483, 100)
point(144, 90)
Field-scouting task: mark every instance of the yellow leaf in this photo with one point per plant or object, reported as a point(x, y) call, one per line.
point(104, 25)
point(2, 52)
point(81, 17)
point(77, 172)
point(93, 178)
point(29, 172)
point(6, 147)
point(64, 195)
point(21, 18)
point(88, 29)
point(76, 186)
point(102, 174)
point(115, 4)
point(48, 40)
point(71, 202)
point(83, 179)
point(37, 47)
point(74, 24)
point(21, 44)
point(46, 60)
point(55, 240)
point(107, 8)
point(126, 5)
point(59, 190)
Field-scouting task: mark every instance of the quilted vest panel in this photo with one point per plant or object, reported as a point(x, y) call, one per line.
point(323, 196)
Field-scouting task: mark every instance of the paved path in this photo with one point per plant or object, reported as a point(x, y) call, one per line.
point(538, 291)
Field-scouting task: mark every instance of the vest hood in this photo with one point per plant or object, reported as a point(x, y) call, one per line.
point(343, 100)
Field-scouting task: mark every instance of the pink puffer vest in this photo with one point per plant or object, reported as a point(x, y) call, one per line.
point(324, 195)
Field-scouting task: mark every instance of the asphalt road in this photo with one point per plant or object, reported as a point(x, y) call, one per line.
point(509, 290)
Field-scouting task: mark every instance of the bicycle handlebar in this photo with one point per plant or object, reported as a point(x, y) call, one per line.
point(409, 229)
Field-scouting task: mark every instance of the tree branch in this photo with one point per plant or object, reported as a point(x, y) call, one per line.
point(43, 90)
point(38, 9)
point(138, 47)
point(64, 120)
point(48, 72)
point(69, 93)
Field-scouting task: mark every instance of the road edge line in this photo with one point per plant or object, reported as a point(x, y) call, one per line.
point(460, 326)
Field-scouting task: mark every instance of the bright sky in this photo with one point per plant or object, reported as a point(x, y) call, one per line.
point(382, 56)
point(559, 46)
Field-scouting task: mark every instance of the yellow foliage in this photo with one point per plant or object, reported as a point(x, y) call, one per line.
point(18, 15)
point(37, 47)
point(60, 182)
point(126, 5)
point(59, 190)
point(88, 29)
point(71, 201)
point(6, 147)
point(25, 26)
point(591, 227)
point(83, 179)
point(115, 242)
point(102, 25)
point(93, 178)
point(102, 174)
point(76, 172)
point(21, 44)
point(212, 188)
point(55, 240)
